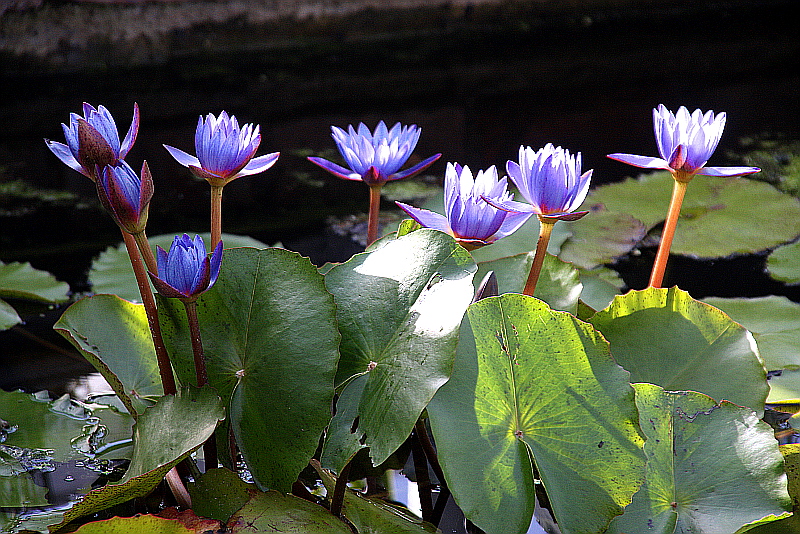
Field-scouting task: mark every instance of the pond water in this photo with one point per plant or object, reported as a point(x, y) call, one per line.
point(584, 78)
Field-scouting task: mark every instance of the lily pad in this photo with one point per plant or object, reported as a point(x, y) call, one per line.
point(141, 524)
point(8, 316)
point(533, 386)
point(219, 493)
point(711, 467)
point(269, 333)
point(111, 271)
point(783, 263)
point(720, 216)
point(20, 280)
point(600, 237)
point(120, 346)
point(665, 337)
point(278, 513)
point(775, 324)
point(399, 308)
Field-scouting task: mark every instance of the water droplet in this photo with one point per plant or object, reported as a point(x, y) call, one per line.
point(69, 478)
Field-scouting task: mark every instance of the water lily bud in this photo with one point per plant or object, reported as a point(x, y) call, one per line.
point(186, 271)
point(126, 196)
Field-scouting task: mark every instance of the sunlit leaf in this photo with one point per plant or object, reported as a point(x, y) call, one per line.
point(711, 467)
point(719, 216)
point(791, 459)
point(141, 524)
point(399, 308)
point(775, 324)
point(664, 337)
point(20, 280)
point(269, 334)
point(119, 346)
point(600, 237)
point(111, 271)
point(534, 385)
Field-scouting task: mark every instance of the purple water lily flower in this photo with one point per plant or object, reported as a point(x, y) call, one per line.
point(469, 218)
point(186, 271)
point(126, 196)
point(685, 142)
point(93, 140)
point(375, 157)
point(224, 150)
point(550, 180)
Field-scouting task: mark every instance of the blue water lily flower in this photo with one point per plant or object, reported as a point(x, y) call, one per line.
point(685, 142)
point(550, 180)
point(186, 271)
point(375, 157)
point(93, 140)
point(224, 150)
point(468, 217)
point(125, 195)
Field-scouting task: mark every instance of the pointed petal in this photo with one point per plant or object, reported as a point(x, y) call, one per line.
point(63, 153)
point(509, 205)
point(727, 171)
point(335, 169)
point(182, 157)
point(164, 289)
point(645, 162)
point(216, 262)
point(259, 164)
point(130, 137)
point(416, 168)
point(427, 218)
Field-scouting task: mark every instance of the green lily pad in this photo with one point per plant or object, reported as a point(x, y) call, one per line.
point(784, 388)
point(140, 524)
point(8, 316)
point(219, 493)
point(783, 263)
point(399, 308)
point(711, 467)
point(775, 324)
point(665, 337)
point(163, 435)
point(533, 386)
point(269, 334)
point(600, 237)
point(559, 283)
point(719, 217)
point(21, 281)
point(120, 346)
point(111, 271)
point(278, 513)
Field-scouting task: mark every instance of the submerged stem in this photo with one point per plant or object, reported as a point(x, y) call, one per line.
point(374, 209)
point(660, 265)
point(216, 215)
point(164, 365)
point(545, 229)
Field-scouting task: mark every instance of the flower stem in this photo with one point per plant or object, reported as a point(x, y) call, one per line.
point(423, 480)
point(660, 265)
point(421, 430)
point(216, 215)
point(374, 209)
point(210, 446)
point(545, 229)
point(146, 252)
point(164, 366)
point(337, 500)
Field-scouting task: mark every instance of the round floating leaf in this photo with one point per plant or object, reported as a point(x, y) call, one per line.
point(111, 271)
point(269, 334)
point(119, 346)
point(523, 241)
point(664, 337)
point(791, 458)
point(783, 263)
point(600, 286)
point(775, 324)
point(285, 514)
point(559, 283)
point(162, 436)
point(784, 388)
point(719, 216)
point(399, 309)
point(21, 281)
point(600, 237)
point(533, 384)
point(711, 467)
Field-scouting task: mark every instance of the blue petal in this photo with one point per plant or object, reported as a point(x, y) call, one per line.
point(727, 171)
point(182, 157)
point(426, 218)
point(645, 162)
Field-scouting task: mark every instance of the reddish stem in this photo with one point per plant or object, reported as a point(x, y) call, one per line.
point(164, 366)
point(374, 209)
point(210, 446)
